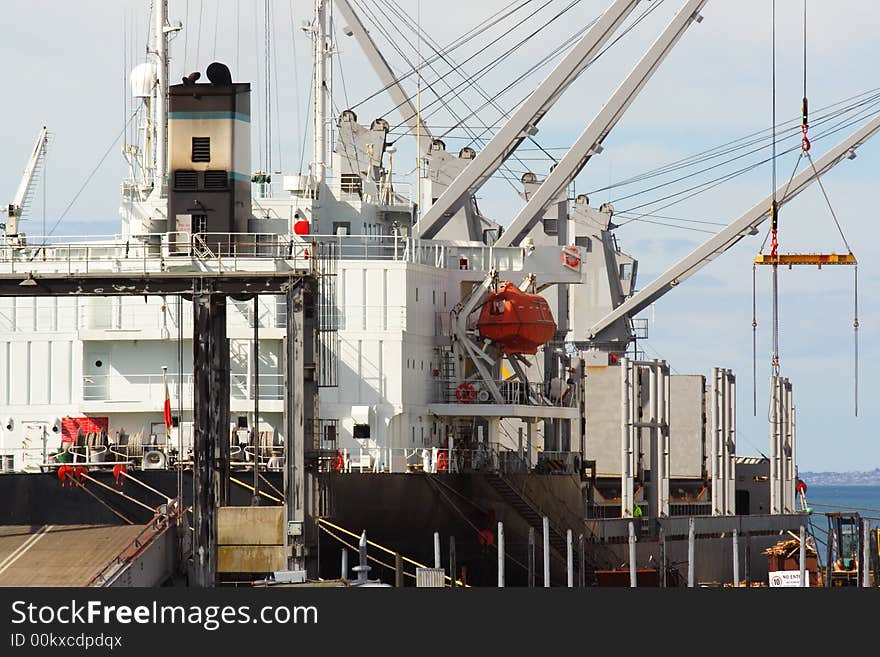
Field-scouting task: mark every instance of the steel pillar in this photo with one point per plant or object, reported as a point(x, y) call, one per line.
point(211, 430)
point(301, 398)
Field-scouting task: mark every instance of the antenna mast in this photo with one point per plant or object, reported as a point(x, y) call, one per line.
point(320, 93)
point(160, 106)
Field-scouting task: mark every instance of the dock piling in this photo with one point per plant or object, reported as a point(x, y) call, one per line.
point(691, 541)
point(633, 580)
point(501, 555)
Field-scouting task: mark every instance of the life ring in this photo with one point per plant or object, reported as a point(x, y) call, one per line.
point(465, 392)
point(442, 461)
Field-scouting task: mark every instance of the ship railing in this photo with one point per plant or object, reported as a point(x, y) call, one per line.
point(40, 459)
point(130, 314)
point(146, 388)
point(513, 391)
point(442, 460)
point(243, 386)
point(136, 388)
point(153, 251)
point(433, 253)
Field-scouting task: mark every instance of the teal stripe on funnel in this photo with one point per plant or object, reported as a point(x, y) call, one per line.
point(209, 115)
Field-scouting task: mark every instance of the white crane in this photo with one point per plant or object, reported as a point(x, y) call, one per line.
point(26, 187)
point(745, 225)
point(524, 120)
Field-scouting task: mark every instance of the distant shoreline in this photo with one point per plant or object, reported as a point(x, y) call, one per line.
point(869, 478)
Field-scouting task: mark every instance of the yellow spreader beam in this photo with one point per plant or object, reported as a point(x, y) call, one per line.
point(817, 259)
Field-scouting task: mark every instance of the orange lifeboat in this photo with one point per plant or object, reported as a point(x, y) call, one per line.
point(515, 320)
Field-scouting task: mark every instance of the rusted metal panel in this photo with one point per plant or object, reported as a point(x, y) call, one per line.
point(250, 525)
point(250, 558)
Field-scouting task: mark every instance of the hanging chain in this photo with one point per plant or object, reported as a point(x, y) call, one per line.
point(754, 343)
point(856, 340)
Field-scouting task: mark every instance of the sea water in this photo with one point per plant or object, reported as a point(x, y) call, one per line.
point(864, 500)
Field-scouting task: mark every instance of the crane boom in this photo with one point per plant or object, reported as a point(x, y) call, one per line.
point(747, 224)
point(524, 120)
point(590, 141)
point(26, 187)
point(402, 101)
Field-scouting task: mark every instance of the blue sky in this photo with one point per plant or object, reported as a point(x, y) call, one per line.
point(66, 64)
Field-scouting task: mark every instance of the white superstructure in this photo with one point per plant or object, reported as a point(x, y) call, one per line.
point(404, 369)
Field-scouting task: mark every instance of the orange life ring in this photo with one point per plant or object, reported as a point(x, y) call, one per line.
point(442, 461)
point(465, 392)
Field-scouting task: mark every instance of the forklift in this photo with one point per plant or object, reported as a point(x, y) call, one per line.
point(845, 540)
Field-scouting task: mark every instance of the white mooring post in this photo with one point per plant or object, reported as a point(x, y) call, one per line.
point(546, 552)
point(344, 568)
point(802, 556)
point(500, 555)
point(691, 538)
point(569, 557)
point(866, 554)
point(633, 581)
point(735, 558)
point(436, 549)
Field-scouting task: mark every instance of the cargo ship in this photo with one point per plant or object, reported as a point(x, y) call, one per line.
point(264, 368)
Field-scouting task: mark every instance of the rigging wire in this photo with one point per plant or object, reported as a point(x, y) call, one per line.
point(185, 36)
point(237, 37)
point(258, 128)
point(87, 180)
point(299, 126)
point(739, 144)
point(216, 29)
point(774, 219)
point(380, 27)
point(279, 139)
point(484, 69)
point(267, 37)
point(700, 188)
point(457, 67)
point(199, 34)
point(552, 56)
point(451, 47)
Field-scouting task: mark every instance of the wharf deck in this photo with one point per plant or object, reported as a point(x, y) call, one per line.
point(59, 555)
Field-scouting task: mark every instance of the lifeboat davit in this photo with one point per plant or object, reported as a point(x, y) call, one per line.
point(515, 320)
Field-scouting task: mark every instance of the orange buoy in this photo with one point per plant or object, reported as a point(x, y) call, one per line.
point(517, 321)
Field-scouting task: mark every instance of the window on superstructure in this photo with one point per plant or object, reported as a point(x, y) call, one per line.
point(584, 242)
point(350, 183)
point(201, 149)
point(361, 431)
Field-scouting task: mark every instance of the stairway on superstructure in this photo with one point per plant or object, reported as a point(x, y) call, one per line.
point(532, 514)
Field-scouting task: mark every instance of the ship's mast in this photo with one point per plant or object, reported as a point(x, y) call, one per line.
point(320, 44)
point(160, 104)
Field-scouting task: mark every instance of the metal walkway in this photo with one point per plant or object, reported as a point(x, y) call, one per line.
point(59, 555)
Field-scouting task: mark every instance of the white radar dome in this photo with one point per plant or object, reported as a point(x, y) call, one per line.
point(142, 80)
